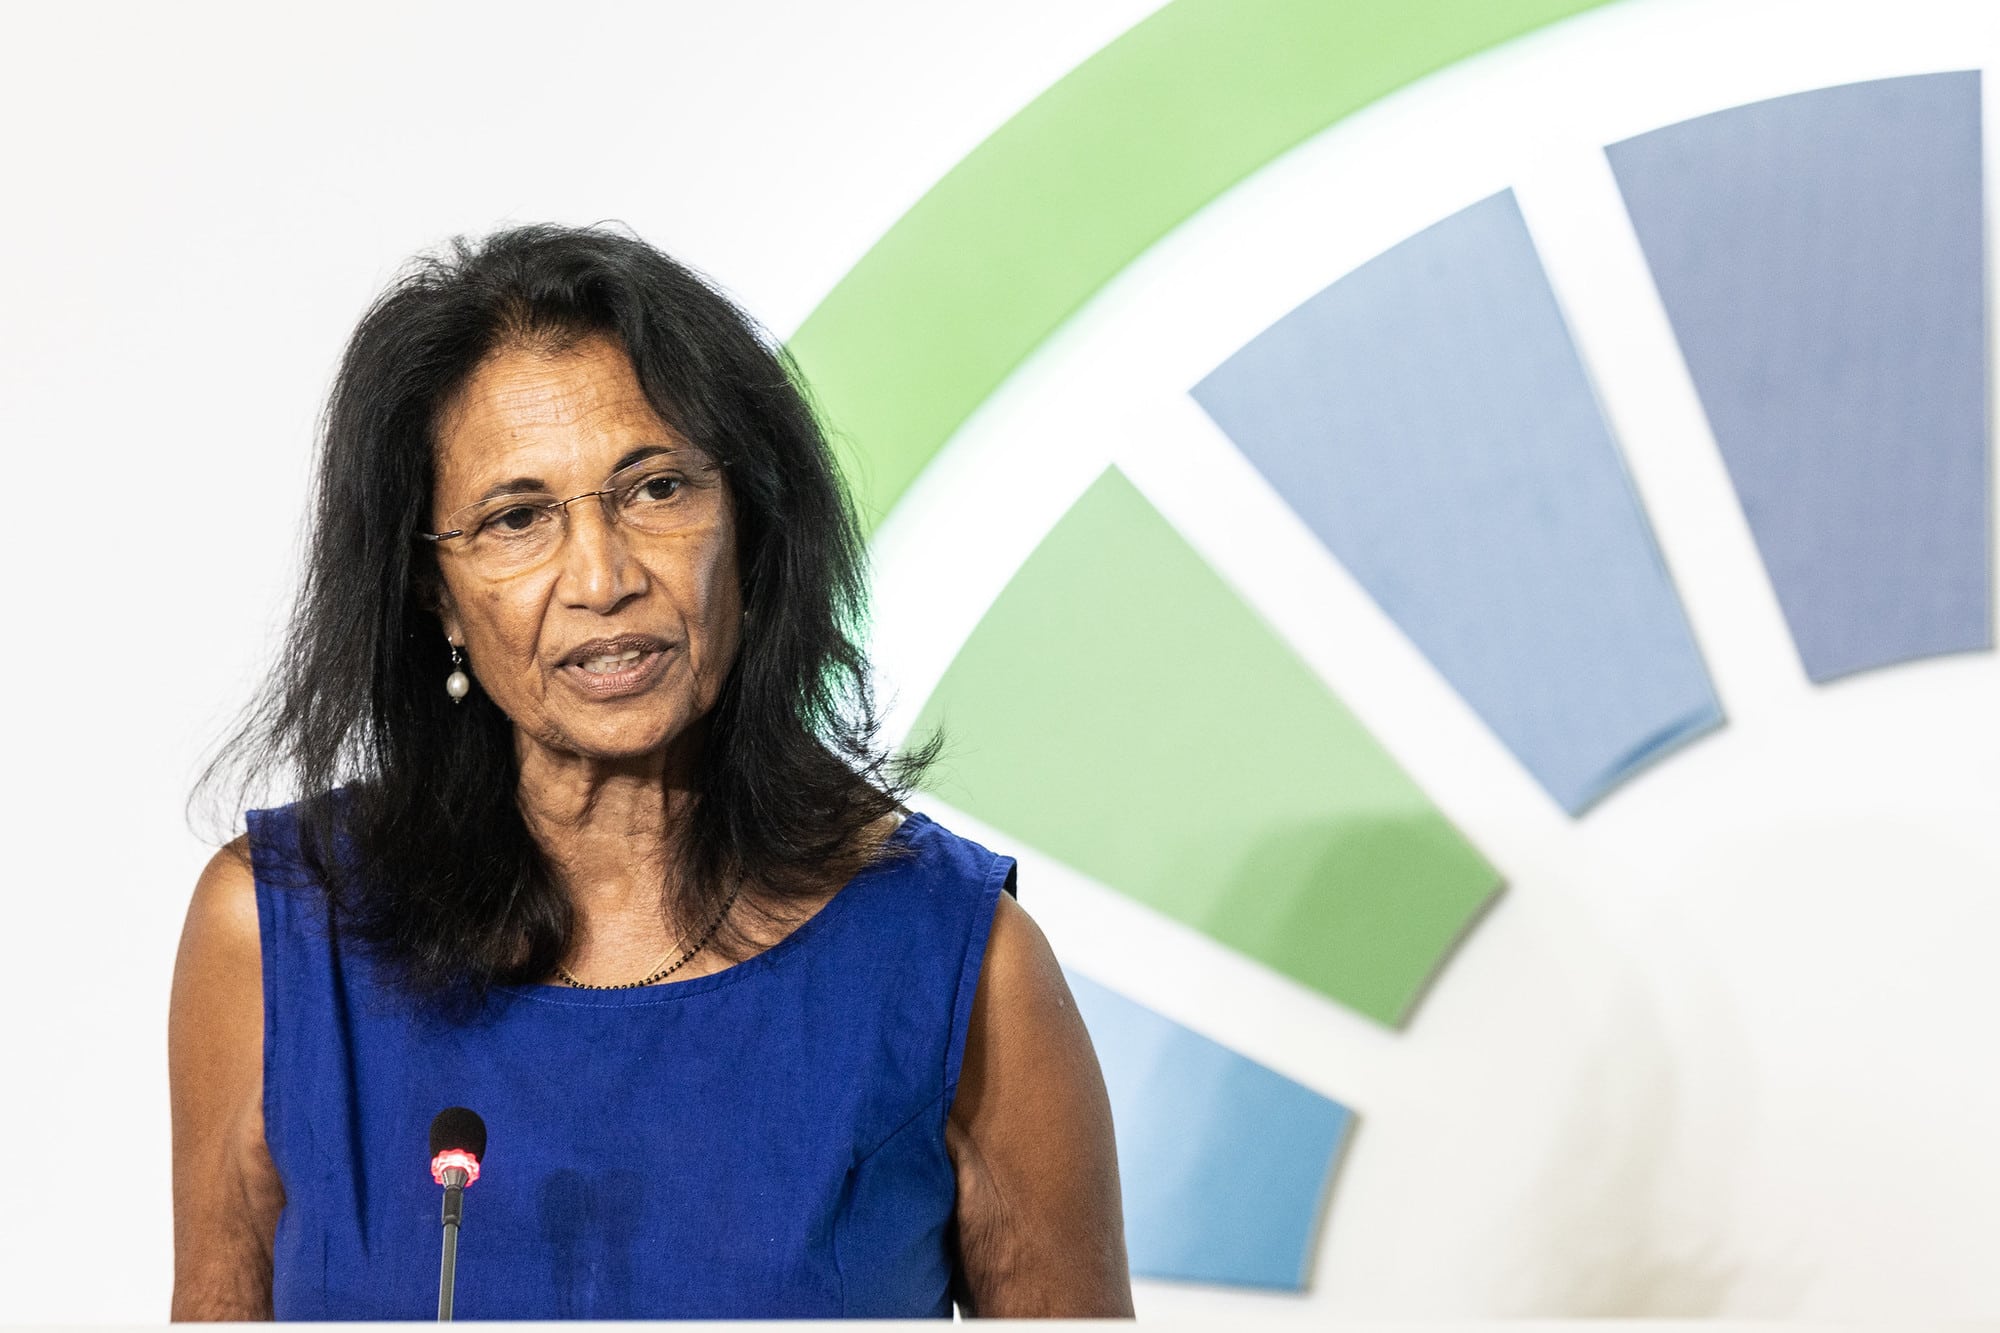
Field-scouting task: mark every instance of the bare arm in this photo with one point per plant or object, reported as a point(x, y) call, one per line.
point(1040, 1226)
point(226, 1191)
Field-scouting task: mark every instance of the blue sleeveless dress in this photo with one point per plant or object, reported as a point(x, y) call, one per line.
point(766, 1141)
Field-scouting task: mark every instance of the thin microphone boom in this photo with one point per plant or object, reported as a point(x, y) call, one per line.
point(458, 1141)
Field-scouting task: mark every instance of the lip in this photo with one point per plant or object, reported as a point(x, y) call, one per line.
point(640, 676)
point(617, 643)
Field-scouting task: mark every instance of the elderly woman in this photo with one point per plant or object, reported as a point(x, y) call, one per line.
point(595, 838)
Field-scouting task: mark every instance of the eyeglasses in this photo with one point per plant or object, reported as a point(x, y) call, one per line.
point(512, 534)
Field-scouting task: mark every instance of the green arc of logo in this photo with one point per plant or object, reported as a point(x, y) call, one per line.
point(1060, 199)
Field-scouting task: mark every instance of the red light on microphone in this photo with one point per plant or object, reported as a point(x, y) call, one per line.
point(459, 1158)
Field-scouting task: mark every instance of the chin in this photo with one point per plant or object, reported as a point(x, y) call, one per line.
point(625, 742)
point(624, 745)
point(604, 743)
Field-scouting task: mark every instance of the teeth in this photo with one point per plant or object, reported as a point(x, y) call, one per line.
point(599, 666)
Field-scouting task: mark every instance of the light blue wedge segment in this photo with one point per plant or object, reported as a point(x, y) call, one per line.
point(1821, 258)
point(1429, 418)
point(1224, 1163)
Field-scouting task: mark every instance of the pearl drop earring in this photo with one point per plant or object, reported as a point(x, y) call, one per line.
point(457, 684)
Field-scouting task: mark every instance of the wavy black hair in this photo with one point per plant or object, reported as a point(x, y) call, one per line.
point(436, 870)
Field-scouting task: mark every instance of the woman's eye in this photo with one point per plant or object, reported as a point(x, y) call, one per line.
point(518, 519)
point(659, 488)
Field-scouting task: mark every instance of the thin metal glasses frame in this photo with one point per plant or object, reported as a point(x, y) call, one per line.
point(609, 513)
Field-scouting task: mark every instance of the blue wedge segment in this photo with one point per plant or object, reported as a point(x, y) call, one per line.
point(1821, 259)
point(1429, 418)
point(1224, 1163)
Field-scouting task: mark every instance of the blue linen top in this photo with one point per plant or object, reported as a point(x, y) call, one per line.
point(766, 1141)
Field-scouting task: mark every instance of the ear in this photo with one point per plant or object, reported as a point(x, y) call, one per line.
point(448, 613)
point(439, 599)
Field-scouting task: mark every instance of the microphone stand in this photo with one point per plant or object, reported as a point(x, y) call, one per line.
point(454, 1211)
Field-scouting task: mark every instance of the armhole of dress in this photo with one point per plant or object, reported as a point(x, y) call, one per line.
point(258, 827)
point(1000, 878)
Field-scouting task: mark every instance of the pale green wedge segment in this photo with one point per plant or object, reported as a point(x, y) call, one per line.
point(1120, 709)
point(1080, 182)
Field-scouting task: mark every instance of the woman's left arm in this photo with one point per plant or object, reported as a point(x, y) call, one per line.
point(1040, 1226)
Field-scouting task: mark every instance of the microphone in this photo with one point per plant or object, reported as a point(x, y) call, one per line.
point(458, 1141)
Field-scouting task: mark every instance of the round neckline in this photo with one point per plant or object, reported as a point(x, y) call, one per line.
point(666, 991)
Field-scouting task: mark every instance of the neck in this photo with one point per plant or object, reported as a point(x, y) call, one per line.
point(609, 827)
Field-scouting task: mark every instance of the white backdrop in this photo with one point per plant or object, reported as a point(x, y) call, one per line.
point(1724, 1047)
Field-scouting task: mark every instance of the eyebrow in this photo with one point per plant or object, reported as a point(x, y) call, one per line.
point(518, 485)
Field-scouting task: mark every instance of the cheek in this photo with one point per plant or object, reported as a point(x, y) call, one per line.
point(711, 604)
point(503, 632)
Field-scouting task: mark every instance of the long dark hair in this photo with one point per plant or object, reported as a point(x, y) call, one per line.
point(408, 810)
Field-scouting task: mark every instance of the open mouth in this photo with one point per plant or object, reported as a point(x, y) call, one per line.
point(611, 663)
point(624, 672)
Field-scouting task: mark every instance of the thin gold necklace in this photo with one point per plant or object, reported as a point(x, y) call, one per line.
point(665, 972)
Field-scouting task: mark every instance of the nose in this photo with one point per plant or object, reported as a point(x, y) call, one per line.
point(599, 570)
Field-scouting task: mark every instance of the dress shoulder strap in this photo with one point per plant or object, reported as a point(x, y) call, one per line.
point(927, 914)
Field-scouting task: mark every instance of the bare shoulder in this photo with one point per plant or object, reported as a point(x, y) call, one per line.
point(1022, 1011)
point(1020, 980)
point(1039, 1220)
point(226, 1191)
point(224, 906)
point(218, 975)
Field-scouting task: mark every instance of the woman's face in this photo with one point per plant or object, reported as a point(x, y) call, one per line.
point(562, 424)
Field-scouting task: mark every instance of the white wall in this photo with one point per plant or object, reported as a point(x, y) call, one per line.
point(1727, 1039)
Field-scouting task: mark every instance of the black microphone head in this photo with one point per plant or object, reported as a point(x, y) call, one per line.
point(457, 1127)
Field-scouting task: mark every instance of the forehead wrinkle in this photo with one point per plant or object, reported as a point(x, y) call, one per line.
point(544, 398)
point(537, 414)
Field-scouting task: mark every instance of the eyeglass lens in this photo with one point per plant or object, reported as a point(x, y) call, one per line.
point(511, 533)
